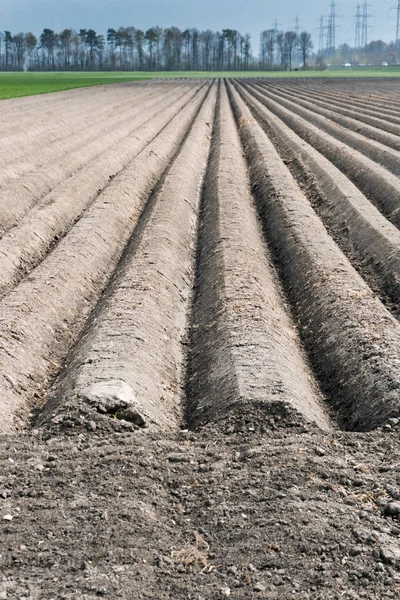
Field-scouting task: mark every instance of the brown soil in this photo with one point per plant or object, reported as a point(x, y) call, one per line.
point(27, 191)
point(245, 351)
point(55, 138)
point(348, 124)
point(364, 234)
point(42, 317)
point(350, 109)
point(133, 342)
point(197, 299)
point(51, 218)
point(374, 180)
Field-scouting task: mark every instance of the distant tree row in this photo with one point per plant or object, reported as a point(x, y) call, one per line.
point(156, 49)
point(278, 49)
point(127, 48)
point(171, 49)
point(374, 53)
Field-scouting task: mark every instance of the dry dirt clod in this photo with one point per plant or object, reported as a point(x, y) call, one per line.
point(390, 555)
point(392, 509)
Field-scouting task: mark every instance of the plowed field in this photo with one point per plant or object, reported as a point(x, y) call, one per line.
point(200, 341)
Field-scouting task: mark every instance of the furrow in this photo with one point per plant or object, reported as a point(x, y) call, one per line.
point(352, 340)
point(20, 152)
point(24, 246)
point(16, 115)
point(376, 151)
point(129, 362)
point(381, 105)
point(77, 142)
point(41, 318)
point(379, 185)
point(245, 360)
point(355, 102)
point(357, 117)
point(360, 227)
point(51, 125)
point(16, 199)
point(341, 101)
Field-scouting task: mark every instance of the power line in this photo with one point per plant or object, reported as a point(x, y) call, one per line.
point(331, 37)
point(276, 25)
point(297, 32)
point(398, 26)
point(321, 45)
point(364, 25)
point(358, 27)
point(297, 25)
point(397, 9)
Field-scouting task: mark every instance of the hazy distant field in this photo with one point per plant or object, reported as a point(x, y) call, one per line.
point(13, 85)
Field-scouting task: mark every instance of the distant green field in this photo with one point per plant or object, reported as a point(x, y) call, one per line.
point(13, 85)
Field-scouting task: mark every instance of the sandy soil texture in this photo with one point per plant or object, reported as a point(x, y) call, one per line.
point(200, 341)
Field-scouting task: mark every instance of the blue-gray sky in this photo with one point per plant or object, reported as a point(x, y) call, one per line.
point(248, 16)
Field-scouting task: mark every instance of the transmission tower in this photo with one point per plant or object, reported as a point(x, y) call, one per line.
point(364, 25)
point(297, 25)
point(398, 28)
point(321, 45)
point(277, 25)
point(358, 27)
point(331, 37)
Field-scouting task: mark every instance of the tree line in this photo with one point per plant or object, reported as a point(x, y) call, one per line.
point(279, 49)
point(157, 49)
point(375, 52)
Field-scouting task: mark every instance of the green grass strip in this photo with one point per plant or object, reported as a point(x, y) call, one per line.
point(14, 85)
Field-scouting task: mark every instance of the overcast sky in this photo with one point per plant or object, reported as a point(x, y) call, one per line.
point(248, 16)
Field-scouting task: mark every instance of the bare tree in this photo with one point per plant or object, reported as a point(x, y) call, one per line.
point(195, 48)
point(124, 42)
point(232, 38)
point(48, 41)
point(83, 51)
point(177, 46)
point(151, 38)
point(7, 47)
point(127, 48)
point(281, 49)
point(186, 42)
point(19, 47)
point(220, 51)
point(267, 42)
point(207, 38)
point(306, 46)
point(139, 42)
point(31, 45)
point(246, 51)
point(93, 43)
point(112, 42)
point(158, 37)
point(290, 45)
point(263, 49)
point(65, 39)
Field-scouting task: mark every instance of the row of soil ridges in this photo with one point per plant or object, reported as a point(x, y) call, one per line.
point(184, 252)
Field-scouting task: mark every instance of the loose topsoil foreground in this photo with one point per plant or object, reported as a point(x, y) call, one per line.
point(284, 512)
